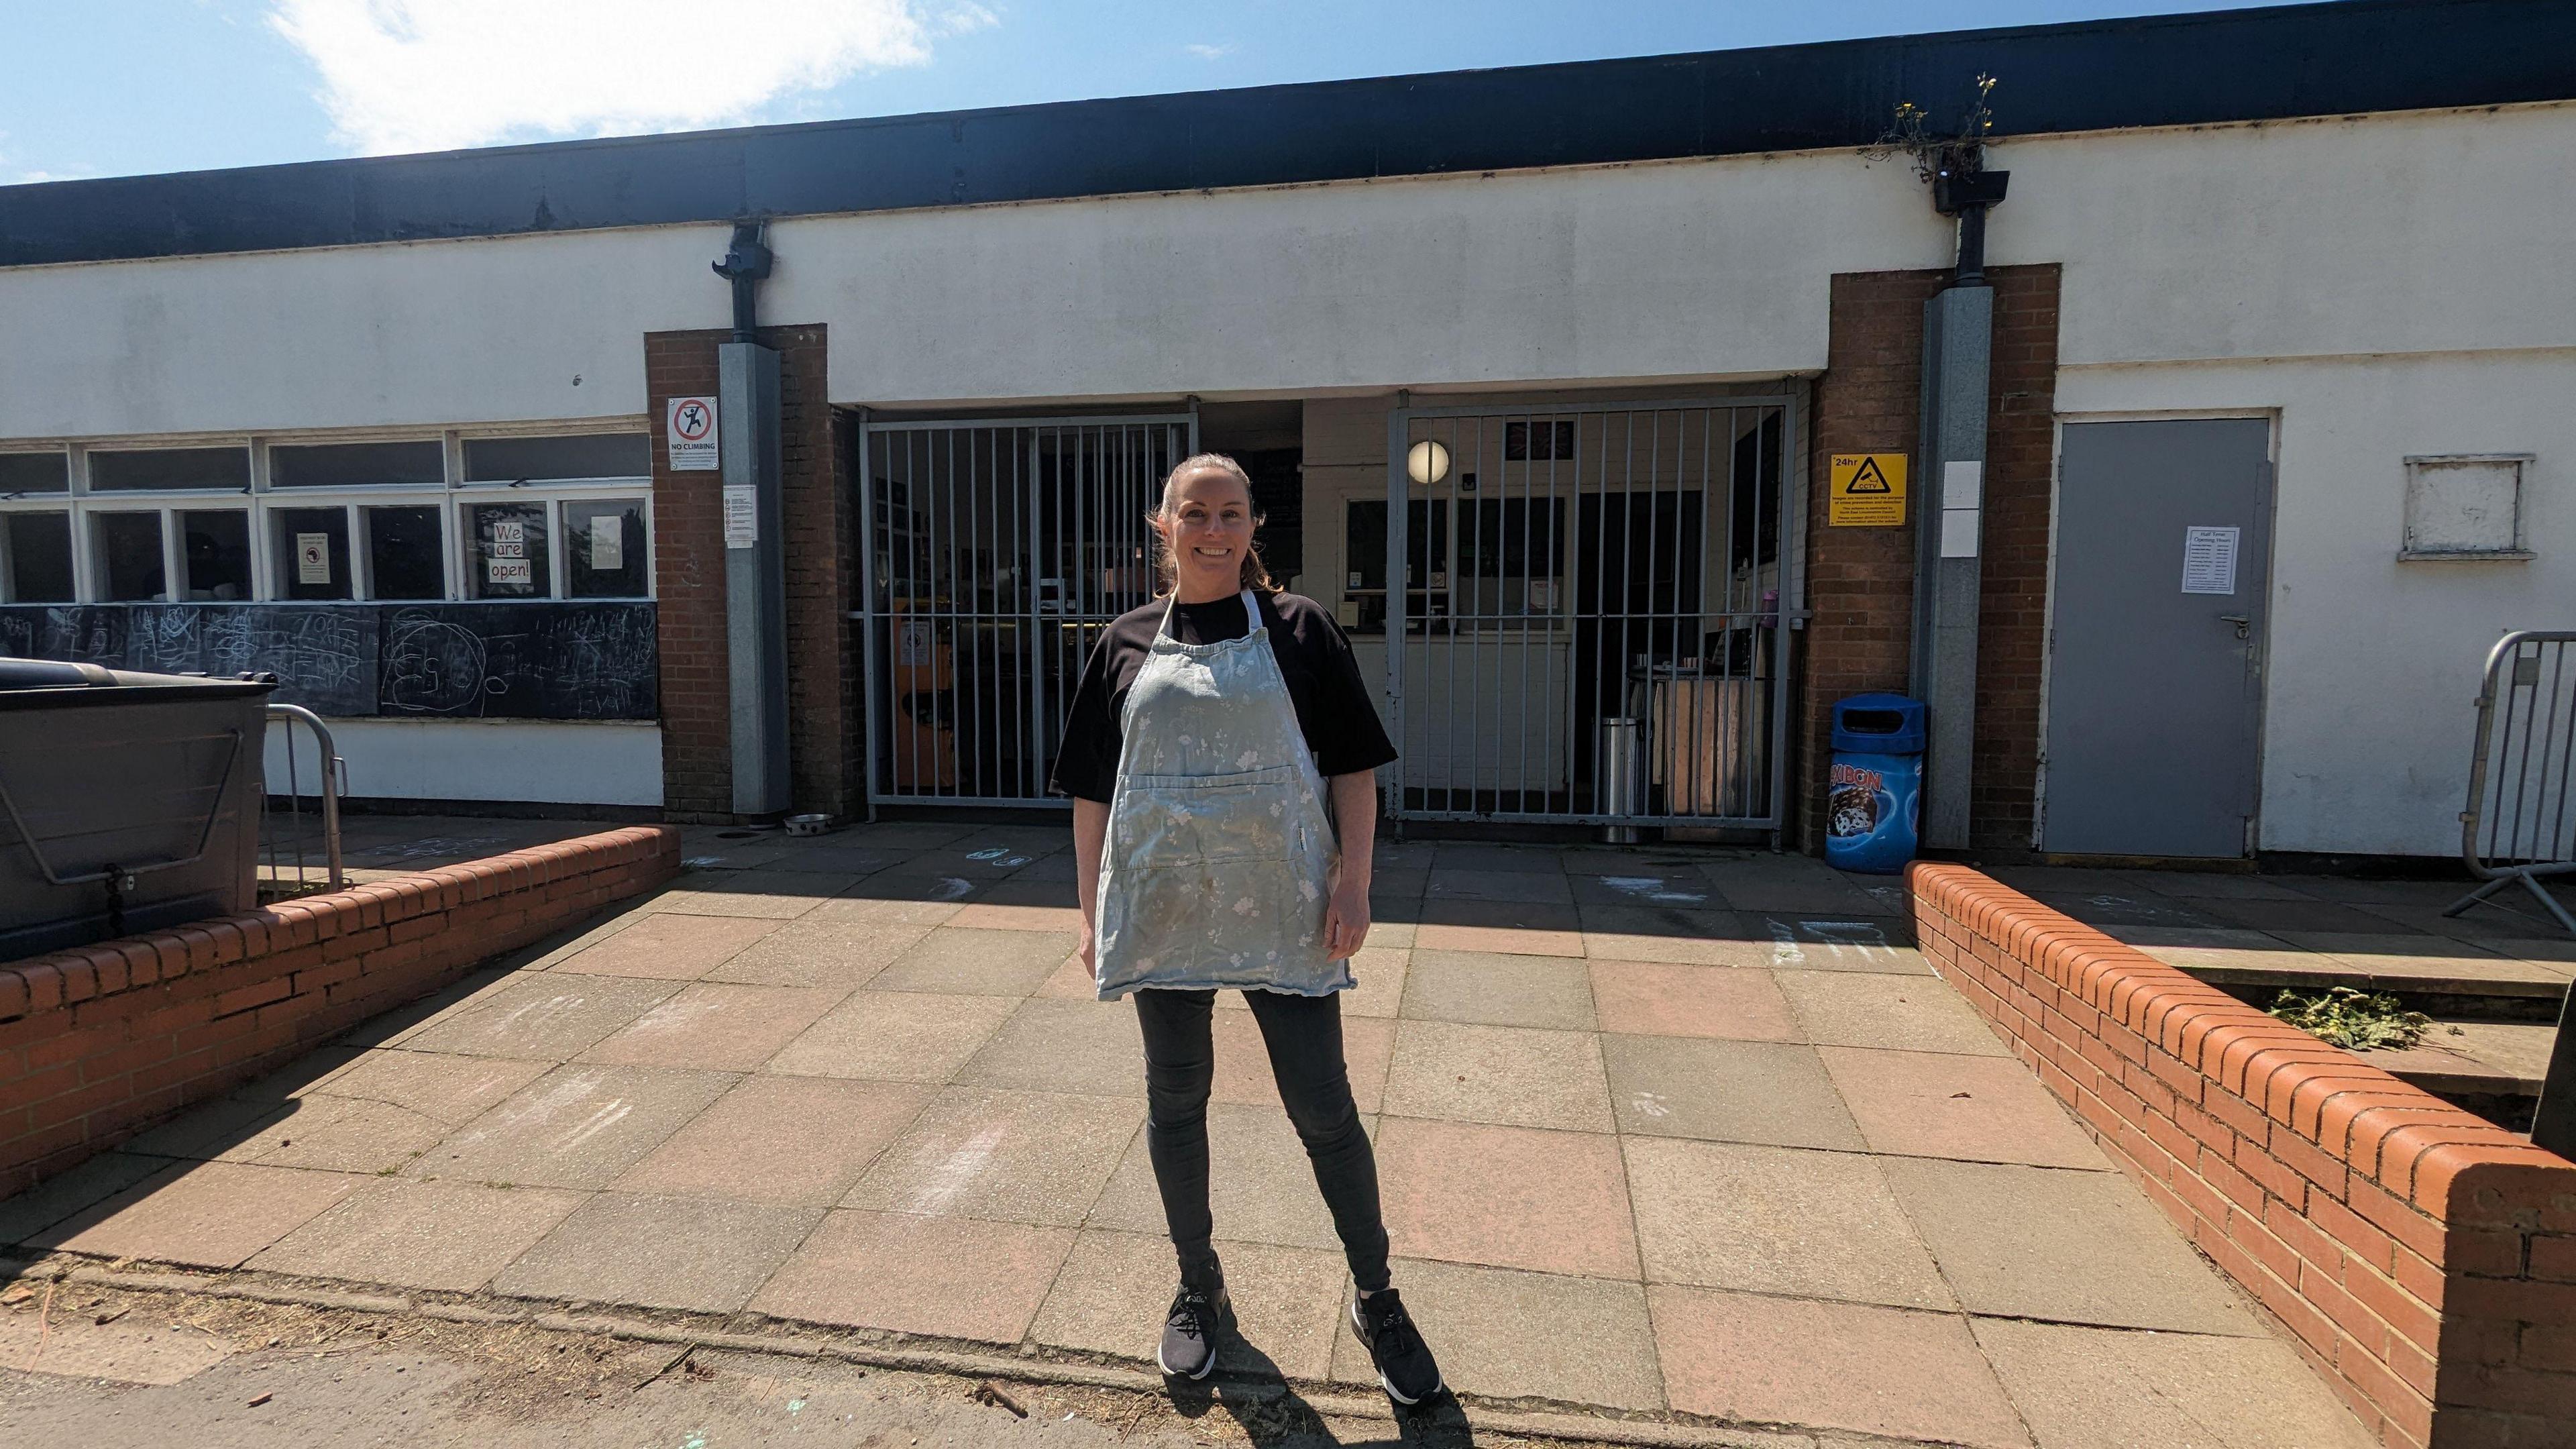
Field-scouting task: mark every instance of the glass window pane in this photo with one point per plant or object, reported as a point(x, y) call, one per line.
point(129, 555)
point(604, 549)
point(357, 465)
point(404, 553)
point(170, 468)
point(594, 455)
point(509, 551)
point(40, 557)
point(311, 546)
point(35, 473)
point(216, 547)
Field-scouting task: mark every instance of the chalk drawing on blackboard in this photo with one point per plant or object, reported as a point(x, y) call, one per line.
point(431, 666)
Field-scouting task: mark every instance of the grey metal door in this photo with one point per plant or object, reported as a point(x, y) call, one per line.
point(2164, 534)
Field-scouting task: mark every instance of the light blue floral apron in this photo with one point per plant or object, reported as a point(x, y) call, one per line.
point(1220, 856)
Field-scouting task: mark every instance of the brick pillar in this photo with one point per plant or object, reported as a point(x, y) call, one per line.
point(689, 581)
point(1860, 581)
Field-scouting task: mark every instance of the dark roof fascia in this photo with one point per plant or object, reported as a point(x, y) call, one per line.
point(2346, 57)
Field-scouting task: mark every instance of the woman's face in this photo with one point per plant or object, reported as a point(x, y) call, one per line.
point(1210, 526)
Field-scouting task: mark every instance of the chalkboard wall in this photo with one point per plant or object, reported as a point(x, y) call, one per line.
point(568, 661)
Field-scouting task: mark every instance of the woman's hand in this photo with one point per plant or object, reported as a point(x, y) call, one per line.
point(1346, 920)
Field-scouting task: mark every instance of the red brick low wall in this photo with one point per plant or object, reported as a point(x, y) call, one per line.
point(98, 1043)
point(2424, 1259)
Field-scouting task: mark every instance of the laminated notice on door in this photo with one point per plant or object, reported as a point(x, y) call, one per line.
point(741, 515)
point(2208, 560)
point(608, 543)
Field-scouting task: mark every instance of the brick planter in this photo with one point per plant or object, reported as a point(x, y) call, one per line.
point(2423, 1259)
point(100, 1042)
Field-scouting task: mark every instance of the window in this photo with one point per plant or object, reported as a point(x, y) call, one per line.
point(357, 465)
point(39, 557)
point(406, 558)
point(311, 549)
point(1538, 442)
point(122, 471)
point(604, 549)
point(2465, 506)
point(509, 559)
point(128, 555)
point(532, 460)
point(1512, 552)
point(35, 473)
point(215, 549)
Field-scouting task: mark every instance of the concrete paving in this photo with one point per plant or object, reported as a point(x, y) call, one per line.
point(1689, 1134)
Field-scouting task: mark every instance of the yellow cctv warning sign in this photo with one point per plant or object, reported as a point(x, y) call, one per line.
point(1868, 490)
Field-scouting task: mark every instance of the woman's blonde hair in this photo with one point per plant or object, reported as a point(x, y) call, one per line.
point(1167, 565)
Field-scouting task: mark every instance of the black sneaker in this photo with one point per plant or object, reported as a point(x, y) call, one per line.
point(1405, 1368)
point(1189, 1331)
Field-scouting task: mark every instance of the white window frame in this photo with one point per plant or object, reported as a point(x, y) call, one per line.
point(450, 496)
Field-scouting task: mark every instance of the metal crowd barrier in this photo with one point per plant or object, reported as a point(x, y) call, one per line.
point(284, 842)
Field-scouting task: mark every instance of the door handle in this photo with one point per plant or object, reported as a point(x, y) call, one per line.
point(2244, 624)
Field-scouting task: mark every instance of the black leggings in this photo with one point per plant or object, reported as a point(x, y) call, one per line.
point(1304, 1035)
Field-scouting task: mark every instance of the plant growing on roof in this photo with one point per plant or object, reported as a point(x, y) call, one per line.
point(1936, 154)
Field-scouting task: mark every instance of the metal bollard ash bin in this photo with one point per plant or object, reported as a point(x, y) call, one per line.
point(1874, 793)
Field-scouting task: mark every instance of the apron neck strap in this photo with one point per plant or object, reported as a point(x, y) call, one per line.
point(1251, 613)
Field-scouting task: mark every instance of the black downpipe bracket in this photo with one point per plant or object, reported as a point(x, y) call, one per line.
point(746, 264)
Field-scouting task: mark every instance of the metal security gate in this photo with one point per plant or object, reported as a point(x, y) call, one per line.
point(1589, 626)
point(995, 552)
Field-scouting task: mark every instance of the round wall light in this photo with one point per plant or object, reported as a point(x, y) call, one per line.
point(1428, 463)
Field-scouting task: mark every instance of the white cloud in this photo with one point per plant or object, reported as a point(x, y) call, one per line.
point(1212, 52)
point(422, 75)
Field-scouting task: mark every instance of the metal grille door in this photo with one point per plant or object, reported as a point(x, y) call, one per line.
point(1588, 629)
point(995, 552)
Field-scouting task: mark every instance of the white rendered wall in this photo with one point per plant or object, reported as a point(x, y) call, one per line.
point(554, 763)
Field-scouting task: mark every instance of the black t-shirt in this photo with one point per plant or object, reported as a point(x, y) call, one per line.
point(1333, 706)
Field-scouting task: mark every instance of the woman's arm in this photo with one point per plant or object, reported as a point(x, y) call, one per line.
point(1090, 829)
point(1346, 920)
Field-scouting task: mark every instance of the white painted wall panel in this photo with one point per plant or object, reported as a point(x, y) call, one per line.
point(556, 763)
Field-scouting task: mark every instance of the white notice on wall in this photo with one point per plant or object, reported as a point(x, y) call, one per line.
point(741, 515)
point(508, 571)
point(608, 543)
point(691, 435)
point(2208, 560)
point(313, 558)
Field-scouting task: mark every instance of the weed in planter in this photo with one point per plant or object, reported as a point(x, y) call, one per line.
point(2354, 1020)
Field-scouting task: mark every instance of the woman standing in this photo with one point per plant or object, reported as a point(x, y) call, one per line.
point(1218, 738)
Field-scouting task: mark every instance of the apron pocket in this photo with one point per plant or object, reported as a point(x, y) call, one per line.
point(1162, 821)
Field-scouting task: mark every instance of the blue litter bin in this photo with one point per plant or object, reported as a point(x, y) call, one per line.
point(1874, 795)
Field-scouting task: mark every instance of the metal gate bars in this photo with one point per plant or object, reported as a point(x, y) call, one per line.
point(995, 551)
point(1589, 626)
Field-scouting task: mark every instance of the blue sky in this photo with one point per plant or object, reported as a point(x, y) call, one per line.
point(122, 87)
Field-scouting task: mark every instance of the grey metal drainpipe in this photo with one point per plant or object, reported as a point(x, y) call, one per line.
point(747, 442)
point(1958, 355)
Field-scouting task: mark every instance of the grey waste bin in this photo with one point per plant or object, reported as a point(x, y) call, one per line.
point(128, 802)
point(1623, 776)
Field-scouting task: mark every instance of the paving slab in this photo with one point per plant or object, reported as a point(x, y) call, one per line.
point(2116, 903)
point(802, 1141)
point(893, 1036)
point(835, 954)
point(29, 1213)
point(1513, 1197)
point(1677, 887)
point(1063, 1046)
point(203, 1214)
point(762, 893)
point(577, 1126)
point(210, 1130)
point(1026, 1157)
point(1468, 884)
point(2282, 916)
point(1498, 989)
point(1777, 1220)
point(860, 906)
point(2099, 1388)
point(1243, 1072)
point(1868, 1369)
point(1507, 1075)
point(716, 1027)
point(1897, 1013)
point(987, 915)
point(1524, 929)
point(1878, 945)
point(962, 961)
point(668, 946)
point(706, 1254)
point(942, 1277)
point(338, 1134)
point(1261, 1187)
point(450, 1089)
point(1938, 1104)
point(1111, 1295)
point(1658, 998)
point(550, 1016)
point(1795, 890)
point(2075, 1247)
point(1739, 946)
point(1726, 1091)
point(449, 1236)
point(1507, 1334)
point(1475, 855)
